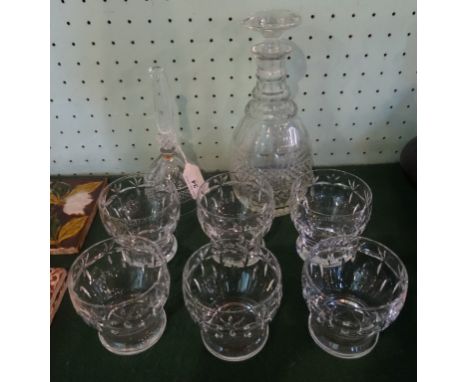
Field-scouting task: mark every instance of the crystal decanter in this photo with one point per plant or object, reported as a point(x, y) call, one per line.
point(271, 139)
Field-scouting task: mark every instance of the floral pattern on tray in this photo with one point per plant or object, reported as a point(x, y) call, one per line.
point(58, 287)
point(73, 204)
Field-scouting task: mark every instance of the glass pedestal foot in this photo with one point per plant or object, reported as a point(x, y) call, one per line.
point(341, 347)
point(136, 342)
point(229, 348)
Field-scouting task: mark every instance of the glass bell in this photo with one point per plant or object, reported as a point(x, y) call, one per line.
point(171, 161)
point(271, 138)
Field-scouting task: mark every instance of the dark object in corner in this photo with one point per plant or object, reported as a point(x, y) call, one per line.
point(408, 160)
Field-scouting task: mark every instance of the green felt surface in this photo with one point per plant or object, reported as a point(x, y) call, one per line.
point(290, 354)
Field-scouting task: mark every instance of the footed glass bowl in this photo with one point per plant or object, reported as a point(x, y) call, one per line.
point(232, 291)
point(137, 205)
point(354, 288)
point(233, 204)
point(326, 203)
point(120, 288)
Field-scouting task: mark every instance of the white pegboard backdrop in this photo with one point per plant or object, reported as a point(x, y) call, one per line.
point(352, 73)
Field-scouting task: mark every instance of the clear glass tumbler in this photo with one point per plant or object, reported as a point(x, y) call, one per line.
point(232, 205)
point(232, 291)
point(120, 288)
point(326, 203)
point(134, 205)
point(354, 288)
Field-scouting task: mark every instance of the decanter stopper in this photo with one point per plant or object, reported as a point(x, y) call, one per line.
point(271, 24)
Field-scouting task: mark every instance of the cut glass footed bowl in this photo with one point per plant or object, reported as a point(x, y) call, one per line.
point(354, 288)
point(232, 205)
point(120, 288)
point(232, 291)
point(136, 205)
point(326, 203)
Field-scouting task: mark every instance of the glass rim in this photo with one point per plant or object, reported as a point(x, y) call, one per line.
point(404, 280)
point(367, 204)
point(71, 284)
point(255, 180)
point(196, 301)
point(103, 196)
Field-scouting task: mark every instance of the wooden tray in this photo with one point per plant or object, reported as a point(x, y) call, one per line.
point(73, 205)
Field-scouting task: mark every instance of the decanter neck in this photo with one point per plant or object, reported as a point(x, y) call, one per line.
point(271, 93)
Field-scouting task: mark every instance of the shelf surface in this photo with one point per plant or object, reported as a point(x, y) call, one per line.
point(290, 353)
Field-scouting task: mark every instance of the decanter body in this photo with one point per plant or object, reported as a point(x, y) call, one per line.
point(270, 138)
